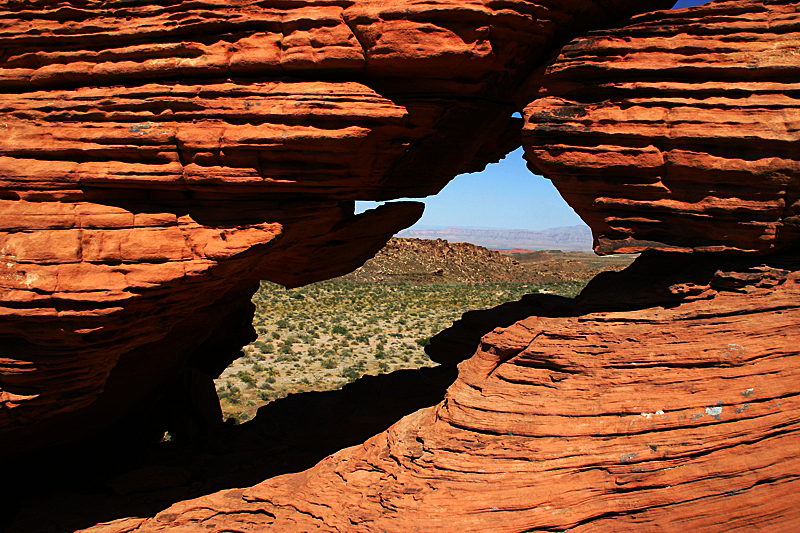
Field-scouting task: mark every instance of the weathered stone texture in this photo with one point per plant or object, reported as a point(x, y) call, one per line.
point(678, 130)
point(159, 157)
point(153, 155)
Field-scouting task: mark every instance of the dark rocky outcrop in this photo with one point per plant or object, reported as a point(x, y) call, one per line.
point(438, 261)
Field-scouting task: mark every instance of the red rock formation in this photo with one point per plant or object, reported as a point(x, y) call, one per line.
point(678, 130)
point(665, 397)
point(680, 415)
point(155, 156)
point(438, 261)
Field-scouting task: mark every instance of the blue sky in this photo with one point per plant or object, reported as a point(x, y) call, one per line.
point(505, 195)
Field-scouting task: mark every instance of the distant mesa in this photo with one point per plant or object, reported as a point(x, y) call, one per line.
point(565, 238)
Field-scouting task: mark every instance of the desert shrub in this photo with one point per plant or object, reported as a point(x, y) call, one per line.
point(347, 321)
point(232, 394)
point(351, 373)
point(246, 377)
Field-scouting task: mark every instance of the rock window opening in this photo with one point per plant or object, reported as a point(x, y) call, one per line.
point(381, 318)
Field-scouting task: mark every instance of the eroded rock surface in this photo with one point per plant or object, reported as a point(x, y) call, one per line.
point(662, 398)
point(143, 188)
point(673, 416)
point(676, 131)
point(156, 155)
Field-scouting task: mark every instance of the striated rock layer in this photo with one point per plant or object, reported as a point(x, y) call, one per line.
point(144, 187)
point(671, 409)
point(156, 157)
point(678, 130)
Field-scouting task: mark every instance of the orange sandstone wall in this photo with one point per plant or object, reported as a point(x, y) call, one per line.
point(677, 131)
point(674, 408)
point(157, 155)
point(664, 398)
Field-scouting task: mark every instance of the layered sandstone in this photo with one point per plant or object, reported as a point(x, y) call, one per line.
point(158, 157)
point(678, 130)
point(662, 398)
point(672, 410)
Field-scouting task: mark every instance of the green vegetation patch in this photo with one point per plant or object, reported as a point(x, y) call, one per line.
point(325, 335)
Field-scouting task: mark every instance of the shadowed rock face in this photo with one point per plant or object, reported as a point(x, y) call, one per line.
point(155, 156)
point(76, 486)
point(677, 131)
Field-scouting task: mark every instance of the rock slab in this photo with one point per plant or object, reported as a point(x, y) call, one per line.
point(681, 415)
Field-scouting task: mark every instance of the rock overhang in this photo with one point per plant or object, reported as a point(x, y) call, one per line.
point(156, 155)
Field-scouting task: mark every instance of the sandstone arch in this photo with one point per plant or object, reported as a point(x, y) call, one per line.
point(663, 399)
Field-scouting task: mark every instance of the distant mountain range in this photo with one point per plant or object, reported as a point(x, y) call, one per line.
point(566, 238)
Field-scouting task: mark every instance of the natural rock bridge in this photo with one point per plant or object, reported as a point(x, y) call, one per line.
point(158, 158)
